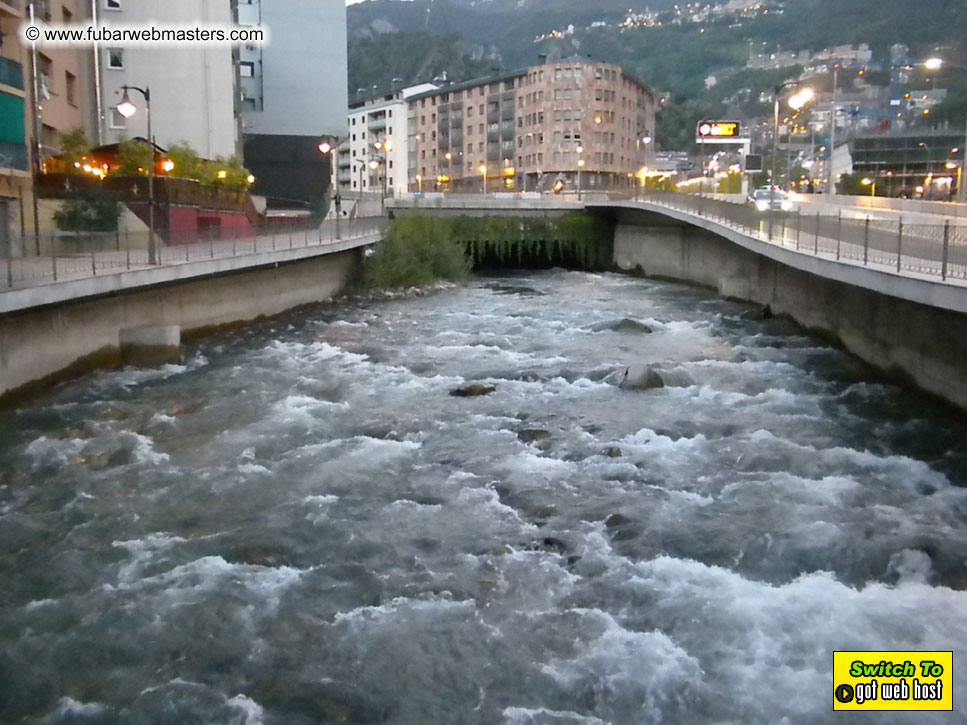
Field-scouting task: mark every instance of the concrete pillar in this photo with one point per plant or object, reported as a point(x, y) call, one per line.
point(150, 345)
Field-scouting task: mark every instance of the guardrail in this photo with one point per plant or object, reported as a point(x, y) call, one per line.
point(932, 249)
point(28, 261)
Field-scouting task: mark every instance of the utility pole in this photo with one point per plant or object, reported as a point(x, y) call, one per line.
point(830, 181)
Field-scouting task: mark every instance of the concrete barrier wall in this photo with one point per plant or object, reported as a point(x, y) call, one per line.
point(923, 344)
point(42, 345)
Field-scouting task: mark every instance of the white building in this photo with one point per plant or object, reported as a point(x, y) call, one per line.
point(376, 152)
point(293, 94)
point(192, 88)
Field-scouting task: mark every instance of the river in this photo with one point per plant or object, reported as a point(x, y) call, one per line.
point(300, 524)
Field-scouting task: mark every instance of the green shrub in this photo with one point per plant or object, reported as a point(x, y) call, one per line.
point(92, 210)
point(135, 157)
point(417, 251)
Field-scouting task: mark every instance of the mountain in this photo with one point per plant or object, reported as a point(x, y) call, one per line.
point(402, 40)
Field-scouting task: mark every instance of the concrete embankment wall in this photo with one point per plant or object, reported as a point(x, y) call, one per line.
point(42, 345)
point(924, 344)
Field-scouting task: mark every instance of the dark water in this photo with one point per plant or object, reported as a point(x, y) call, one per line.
point(301, 525)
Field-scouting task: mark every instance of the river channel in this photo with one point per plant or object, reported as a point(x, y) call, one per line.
point(301, 524)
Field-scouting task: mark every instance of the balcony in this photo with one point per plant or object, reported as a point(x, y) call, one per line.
point(11, 74)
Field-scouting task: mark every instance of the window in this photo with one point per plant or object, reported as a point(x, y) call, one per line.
point(112, 4)
point(115, 58)
point(246, 69)
point(117, 120)
point(70, 82)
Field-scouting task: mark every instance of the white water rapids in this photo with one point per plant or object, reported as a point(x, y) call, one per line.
point(300, 524)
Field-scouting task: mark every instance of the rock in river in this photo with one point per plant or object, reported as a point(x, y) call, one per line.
point(473, 390)
point(641, 377)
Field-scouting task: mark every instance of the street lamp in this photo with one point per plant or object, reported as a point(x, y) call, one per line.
point(580, 150)
point(127, 109)
point(797, 100)
point(449, 157)
point(937, 64)
point(483, 174)
point(326, 148)
point(870, 183)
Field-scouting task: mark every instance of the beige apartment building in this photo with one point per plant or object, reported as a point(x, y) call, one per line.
point(568, 124)
point(41, 105)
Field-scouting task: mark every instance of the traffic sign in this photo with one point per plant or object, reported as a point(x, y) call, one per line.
point(717, 130)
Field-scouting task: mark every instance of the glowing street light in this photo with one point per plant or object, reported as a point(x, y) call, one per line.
point(870, 183)
point(797, 101)
point(127, 109)
point(483, 174)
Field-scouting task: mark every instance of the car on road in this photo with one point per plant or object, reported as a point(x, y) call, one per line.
point(765, 199)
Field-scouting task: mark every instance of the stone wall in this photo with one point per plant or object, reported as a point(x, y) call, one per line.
point(924, 344)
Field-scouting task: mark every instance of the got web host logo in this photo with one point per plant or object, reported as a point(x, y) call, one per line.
point(892, 680)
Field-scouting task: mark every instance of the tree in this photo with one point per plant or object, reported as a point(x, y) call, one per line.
point(187, 163)
point(852, 185)
point(135, 157)
point(75, 145)
point(91, 210)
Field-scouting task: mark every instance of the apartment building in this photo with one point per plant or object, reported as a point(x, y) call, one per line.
point(193, 88)
point(375, 153)
point(293, 94)
point(563, 124)
point(42, 94)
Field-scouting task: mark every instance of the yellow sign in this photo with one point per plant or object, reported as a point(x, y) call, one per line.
point(718, 129)
point(893, 680)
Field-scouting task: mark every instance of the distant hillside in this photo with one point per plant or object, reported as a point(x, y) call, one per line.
point(470, 37)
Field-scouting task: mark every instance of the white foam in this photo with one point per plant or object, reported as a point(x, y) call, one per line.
point(68, 707)
point(250, 710)
point(541, 715)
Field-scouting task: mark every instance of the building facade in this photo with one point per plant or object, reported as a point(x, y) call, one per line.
point(293, 94)
point(193, 88)
point(915, 163)
point(44, 92)
point(375, 154)
point(570, 124)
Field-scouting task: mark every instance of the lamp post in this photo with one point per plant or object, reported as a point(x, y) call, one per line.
point(483, 176)
point(796, 101)
point(580, 150)
point(830, 181)
point(937, 64)
point(326, 148)
point(127, 109)
point(446, 179)
point(870, 183)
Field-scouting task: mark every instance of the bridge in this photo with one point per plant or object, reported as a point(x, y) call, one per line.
point(887, 279)
point(889, 282)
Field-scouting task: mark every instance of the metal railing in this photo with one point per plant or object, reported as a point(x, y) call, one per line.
point(931, 249)
point(27, 261)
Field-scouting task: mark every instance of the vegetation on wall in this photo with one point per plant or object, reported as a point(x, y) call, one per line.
point(417, 251)
point(420, 250)
point(90, 210)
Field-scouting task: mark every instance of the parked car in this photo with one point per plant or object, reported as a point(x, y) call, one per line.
point(765, 198)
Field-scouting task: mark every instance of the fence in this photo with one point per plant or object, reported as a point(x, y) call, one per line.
point(931, 249)
point(26, 261)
